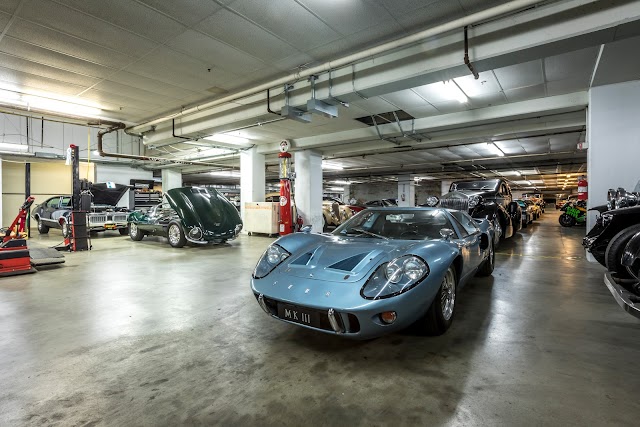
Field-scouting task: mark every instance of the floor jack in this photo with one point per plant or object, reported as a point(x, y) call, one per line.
point(15, 256)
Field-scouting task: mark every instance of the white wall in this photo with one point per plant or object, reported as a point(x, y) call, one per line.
point(120, 174)
point(613, 133)
point(389, 190)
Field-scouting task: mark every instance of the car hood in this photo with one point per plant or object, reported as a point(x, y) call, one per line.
point(204, 208)
point(462, 194)
point(102, 195)
point(347, 259)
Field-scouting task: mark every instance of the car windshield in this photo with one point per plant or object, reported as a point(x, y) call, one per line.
point(396, 224)
point(489, 184)
point(521, 203)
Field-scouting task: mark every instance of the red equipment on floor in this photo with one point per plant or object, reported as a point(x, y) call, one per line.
point(14, 253)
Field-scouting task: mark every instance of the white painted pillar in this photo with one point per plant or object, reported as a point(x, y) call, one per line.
point(346, 195)
point(614, 141)
point(308, 187)
point(171, 179)
point(444, 186)
point(406, 191)
point(252, 172)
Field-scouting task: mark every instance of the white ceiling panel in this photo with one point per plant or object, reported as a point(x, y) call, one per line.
point(4, 19)
point(425, 111)
point(42, 37)
point(221, 55)
point(162, 88)
point(131, 15)
point(447, 107)
point(303, 30)
point(135, 93)
point(187, 12)
point(617, 64)
point(487, 100)
point(399, 8)
point(568, 85)
point(121, 101)
point(11, 79)
point(69, 21)
point(291, 63)
point(511, 147)
point(472, 6)
point(445, 154)
point(433, 93)
point(25, 66)
point(520, 75)
point(524, 93)
point(432, 14)
point(347, 17)
point(9, 6)
point(238, 32)
point(487, 84)
point(353, 111)
point(573, 65)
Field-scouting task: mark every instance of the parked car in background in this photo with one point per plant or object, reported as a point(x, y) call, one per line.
point(334, 213)
point(381, 271)
point(527, 213)
point(381, 203)
point(104, 214)
point(190, 214)
point(489, 199)
point(535, 208)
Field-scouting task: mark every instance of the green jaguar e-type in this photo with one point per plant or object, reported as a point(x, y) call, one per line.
point(189, 214)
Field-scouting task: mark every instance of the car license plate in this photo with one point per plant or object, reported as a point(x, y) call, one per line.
point(109, 226)
point(299, 315)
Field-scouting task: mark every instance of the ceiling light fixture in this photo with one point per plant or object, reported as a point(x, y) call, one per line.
point(453, 92)
point(48, 103)
point(339, 182)
point(227, 174)
point(331, 166)
point(495, 149)
point(227, 139)
point(7, 146)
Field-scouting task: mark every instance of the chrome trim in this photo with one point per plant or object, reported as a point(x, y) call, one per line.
point(333, 320)
point(263, 304)
point(621, 295)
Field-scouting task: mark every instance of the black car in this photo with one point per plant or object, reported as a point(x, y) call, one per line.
point(489, 199)
point(381, 203)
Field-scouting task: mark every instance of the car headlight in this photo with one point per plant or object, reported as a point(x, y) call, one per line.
point(270, 259)
point(606, 219)
point(195, 233)
point(432, 201)
point(395, 277)
point(474, 201)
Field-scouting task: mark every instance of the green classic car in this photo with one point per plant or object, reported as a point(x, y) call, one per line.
point(189, 214)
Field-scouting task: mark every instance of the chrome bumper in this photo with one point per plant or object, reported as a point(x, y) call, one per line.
point(622, 296)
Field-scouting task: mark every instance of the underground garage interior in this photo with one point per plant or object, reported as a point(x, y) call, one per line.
point(329, 212)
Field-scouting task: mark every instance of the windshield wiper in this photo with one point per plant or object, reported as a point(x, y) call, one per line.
point(369, 233)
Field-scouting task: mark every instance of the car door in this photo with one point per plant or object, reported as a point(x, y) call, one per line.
point(49, 207)
point(471, 241)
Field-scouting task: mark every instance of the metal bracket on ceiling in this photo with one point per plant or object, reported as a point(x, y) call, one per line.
point(406, 135)
point(466, 55)
point(353, 82)
point(343, 103)
point(373, 118)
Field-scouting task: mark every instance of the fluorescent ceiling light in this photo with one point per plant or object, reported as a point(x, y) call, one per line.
point(339, 189)
point(7, 146)
point(495, 149)
point(228, 174)
point(536, 181)
point(420, 178)
point(56, 106)
point(509, 173)
point(228, 139)
point(451, 90)
point(332, 166)
point(339, 182)
point(95, 152)
point(529, 171)
point(523, 182)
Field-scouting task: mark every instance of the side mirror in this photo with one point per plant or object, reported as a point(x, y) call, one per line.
point(307, 229)
point(446, 233)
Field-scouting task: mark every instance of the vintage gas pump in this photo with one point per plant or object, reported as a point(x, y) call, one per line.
point(287, 224)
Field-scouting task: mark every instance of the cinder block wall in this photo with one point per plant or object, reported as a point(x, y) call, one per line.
point(389, 190)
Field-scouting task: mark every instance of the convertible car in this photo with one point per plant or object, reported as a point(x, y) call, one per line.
point(381, 271)
point(190, 214)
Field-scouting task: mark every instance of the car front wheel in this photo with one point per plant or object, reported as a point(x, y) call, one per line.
point(135, 233)
point(486, 269)
point(440, 315)
point(615, 250)
point(176, 236)
point(42, 229)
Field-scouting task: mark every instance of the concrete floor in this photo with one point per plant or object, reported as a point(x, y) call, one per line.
point(143, 334)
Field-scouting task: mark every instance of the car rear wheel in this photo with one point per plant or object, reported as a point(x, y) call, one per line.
point(440, 314)
point(42, 229)
point(615, 250)
point(486, 269)
point(176, 236)
point(123, 231)
point(135, 233)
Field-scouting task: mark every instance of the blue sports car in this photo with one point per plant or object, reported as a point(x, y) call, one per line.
point(379, 272)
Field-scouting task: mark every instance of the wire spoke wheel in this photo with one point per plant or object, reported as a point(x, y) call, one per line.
point(174, 235)
point(448, 296)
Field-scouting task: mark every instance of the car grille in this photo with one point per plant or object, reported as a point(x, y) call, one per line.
point(455, 202)
point(103, 218)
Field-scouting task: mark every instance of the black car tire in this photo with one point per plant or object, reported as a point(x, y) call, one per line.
point(525, 223)
point(123, 231)
point(135, 233)
point(615, 249)
point(566, 220)
point(435, 322)
point(42, 228)
point(180, 239)
point(486, 269)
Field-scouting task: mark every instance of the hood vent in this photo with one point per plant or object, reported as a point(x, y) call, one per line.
point(303, 259)
point(350, 263)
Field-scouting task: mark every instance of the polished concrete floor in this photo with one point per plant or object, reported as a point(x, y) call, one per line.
point(138, 333)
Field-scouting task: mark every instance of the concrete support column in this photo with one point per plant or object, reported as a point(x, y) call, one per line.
point(406, 191)
point(308, 187)
point(2, 224)
point(444, 186)
point(614, 141)
point(251, 178)
point(346, 195)
point(171, 179)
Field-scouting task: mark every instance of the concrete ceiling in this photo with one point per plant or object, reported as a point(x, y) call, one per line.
point(140, 59)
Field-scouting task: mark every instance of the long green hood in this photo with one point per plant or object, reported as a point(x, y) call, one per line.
point(204, 208)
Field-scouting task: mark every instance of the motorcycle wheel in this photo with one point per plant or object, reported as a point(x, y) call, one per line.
point(566, 220)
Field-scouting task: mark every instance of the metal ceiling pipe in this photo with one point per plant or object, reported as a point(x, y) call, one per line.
point(115, 126)
point(475, 18)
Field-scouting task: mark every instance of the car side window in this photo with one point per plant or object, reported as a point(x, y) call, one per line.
point(53, 203)
point(65, 202)
point(466, 221)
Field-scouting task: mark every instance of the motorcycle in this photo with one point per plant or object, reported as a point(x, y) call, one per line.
point(574, 213)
